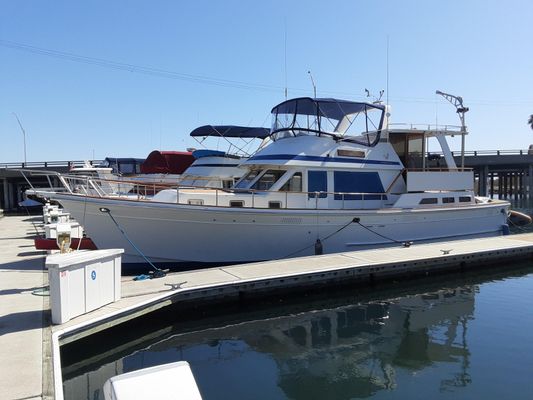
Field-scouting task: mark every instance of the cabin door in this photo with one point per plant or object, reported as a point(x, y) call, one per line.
point(410, 149)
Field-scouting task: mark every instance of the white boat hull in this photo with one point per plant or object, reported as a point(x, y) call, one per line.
point(177, 233)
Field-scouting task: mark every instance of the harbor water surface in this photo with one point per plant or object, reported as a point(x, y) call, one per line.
point(460, 336)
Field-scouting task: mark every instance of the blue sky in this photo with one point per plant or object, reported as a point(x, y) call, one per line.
point(480, 50)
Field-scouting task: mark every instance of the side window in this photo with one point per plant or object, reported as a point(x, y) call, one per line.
point(294, 184)
point(429, 200)
point(268, 179)
point(317, 181)
point(357, 182)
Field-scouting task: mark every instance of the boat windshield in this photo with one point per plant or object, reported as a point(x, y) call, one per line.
point(268, 179)
point(351, 121)
point(247, 179)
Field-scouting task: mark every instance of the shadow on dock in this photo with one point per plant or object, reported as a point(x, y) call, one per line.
point(31, 253)
point(33, 264)
point(21, 321)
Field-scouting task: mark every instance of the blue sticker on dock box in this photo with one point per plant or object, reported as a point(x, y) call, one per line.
point(93, 275)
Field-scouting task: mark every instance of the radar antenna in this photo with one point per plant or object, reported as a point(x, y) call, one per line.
point(377, 100)
point(457, 102)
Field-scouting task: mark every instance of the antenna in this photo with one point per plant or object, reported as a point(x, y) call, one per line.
point(460, 109)
point(23, 134)
point(312, 82)
point(286, 90)
point(387, 85)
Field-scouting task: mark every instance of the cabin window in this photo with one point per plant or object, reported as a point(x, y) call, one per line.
point(127, 168)
point(227, 184)
point(294, 184)
point(317, 181)
point(448, 200)
point(357, 182)
point(268, 179)
point(465, 199)
point(274, 204)
point(247, 179)
point(351, 153)
point(429, 200)
point(195, 202)
point(236, 203)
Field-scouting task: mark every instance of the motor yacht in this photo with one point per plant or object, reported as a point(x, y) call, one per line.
point(335, 177)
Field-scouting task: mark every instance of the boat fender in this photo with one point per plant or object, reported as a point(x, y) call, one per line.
point(318, 248)
point(517, 218)
point(505, 229)
point(142, 277)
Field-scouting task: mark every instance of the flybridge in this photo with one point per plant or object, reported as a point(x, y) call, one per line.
point(360, 123)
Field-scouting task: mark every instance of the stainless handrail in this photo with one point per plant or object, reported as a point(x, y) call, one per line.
point(428, 127)
point(96, 187)
point(515, 152)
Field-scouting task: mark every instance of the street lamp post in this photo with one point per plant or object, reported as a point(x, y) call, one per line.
point(24, 135)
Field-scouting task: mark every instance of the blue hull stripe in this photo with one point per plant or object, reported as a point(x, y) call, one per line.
point(320, 159)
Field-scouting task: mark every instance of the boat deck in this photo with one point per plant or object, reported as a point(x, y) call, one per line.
point(27, 340)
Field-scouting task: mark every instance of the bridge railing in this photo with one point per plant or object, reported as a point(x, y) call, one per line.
point(494, 153)
point(454, 129)
point(489, 153)
point(48, 164)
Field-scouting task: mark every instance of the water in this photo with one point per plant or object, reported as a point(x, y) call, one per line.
point(462, 336)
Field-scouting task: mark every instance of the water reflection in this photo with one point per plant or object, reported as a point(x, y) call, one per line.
point(355, 351)
point(349, 349)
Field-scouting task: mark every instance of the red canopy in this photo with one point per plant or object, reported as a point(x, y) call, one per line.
point(167, 162)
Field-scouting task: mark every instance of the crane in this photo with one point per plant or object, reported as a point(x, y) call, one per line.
point(457, 102)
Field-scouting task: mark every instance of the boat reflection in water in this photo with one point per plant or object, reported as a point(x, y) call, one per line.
point(355, 351)
point(337, 347)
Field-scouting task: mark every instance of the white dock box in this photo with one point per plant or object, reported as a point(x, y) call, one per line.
point(50, 230)
point(83, 281)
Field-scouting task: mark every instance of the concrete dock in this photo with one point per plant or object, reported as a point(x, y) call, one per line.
point(27, 340)
point(24, 332)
